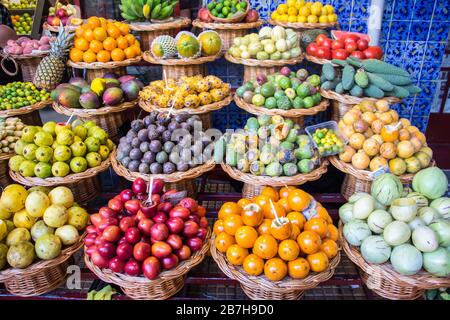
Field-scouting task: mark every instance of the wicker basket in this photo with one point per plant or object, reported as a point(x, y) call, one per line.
point(253, 67)
point(254, 184)
point(28, 64)
point(5, 179)
point(386, 282)
point(24, 110)
point(99, 69)
point(42, 276)
point(238, 17)
point(149, 31)
point(166, 285)
point(302, 26)
point(108, 118)
point(55, 29)
point(178, 180)
point(228, 31)
point(361, 180)
point(318, 60)
point(260, 288)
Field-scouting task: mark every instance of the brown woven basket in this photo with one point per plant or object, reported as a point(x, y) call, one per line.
point(166, 285)
point(299, 25)
point(238, 17)
point(5, 179)
point(292, 113)
point(386, 282)
point(108, 118)
point(260, 288)
point(254, 184)
point(42, 276)
point(24, 110)
point(55, 29)
point(149, 31)
point(28, 64)
point(318, 60)
point(361, 180)
point(228, 31)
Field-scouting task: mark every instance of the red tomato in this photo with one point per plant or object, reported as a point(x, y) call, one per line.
point(320, 39)
point(351, 37)
point(358, 54)
point(350, 47)
point(337, 44)
point(362, 44)
point(373, 52)
point(323, 53)
point(327, 43)
point(340, 54)
point(311, 49)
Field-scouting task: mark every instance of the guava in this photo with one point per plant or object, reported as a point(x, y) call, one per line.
point(92, 144)
point(78, 217)
point(65, 137)
point(55, 216)
point(17, 235)
point(39, 229)
point(100, 135)
point(15, 162)
point(93, 159)
point(62, 196)
point(29, 152)
point(48, 246)
point(26, 168)
point(22, 219)
point(62, 153)
point(43, 138)
point(67, 234)
point(20, 145)
point(36, 203)
point(81, 132)
point(89, 124)
point(104, 152)
point(60, 169)
point(110, 144)
point(43, 170)
point(21, 255)
point(78, 164)
point(49, 127)
point(44, 154)
point(28, 133)
point(78, 148)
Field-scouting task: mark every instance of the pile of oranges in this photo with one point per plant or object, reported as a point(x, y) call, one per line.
point(100, 40)
point(269, 234)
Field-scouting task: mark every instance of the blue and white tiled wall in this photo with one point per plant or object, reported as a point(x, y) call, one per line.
point(414, 35)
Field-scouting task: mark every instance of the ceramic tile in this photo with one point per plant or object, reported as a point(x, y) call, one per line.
point(430, 71)
point(420, 122)
point(434, 51)
point(361, 9)
point(413, 68)
point(414, 50)
point(388, 10)
point(419, 30)
point(399, 30)
point(442, 11)
point(422, 107)
point(359, 25)
point(428, 89)
point(423, 10)
point(402, 10)
point(439, 31)
point(395, 50)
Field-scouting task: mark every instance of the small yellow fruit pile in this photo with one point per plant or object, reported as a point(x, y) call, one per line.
point(188, 92)
point(304, 12)
point(101, 40)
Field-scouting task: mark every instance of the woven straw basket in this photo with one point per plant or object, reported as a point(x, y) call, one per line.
point(228, 31)
point(318, 60)
point(253, 185)
point(386, 282)
point(260, 288)
point(28, 64)
point(42, 276)
point(149, 31)
point(5, 179)
point(24, 110)
point(46, 26)
point(166, 285)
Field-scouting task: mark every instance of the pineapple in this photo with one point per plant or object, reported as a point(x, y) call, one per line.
point(50, 70)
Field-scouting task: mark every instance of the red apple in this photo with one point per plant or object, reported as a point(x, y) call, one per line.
point(327, 43)
point(252, 16)
point(99, 260)
point(179, 212)
point(132, 206)
point(169, 262)
point(145, 226)
point(175, 225)
point(107, 212)
point(99, 241)
point(61, 13)
point(312, 48)
point(350, 47)
point(320, 39)
point(140, 215)
point(373, 52)
point(340, 54)
point(195, 218)
point(174, 241)
point(160, 217)
point(151, 267)
point(133, 235)
point(351, 38)
point(358, 54)
point(194, 243)
point(124, 251)
point(116, 265)
point(107, 250)
point(161, 249)
point(132, 268)
point(159, 232)
point(126, 223)
point(142, 251)
point(156, 198)
point(126, 195)
point(112, 233)
point(115, 204)
point(190, 229)
point(165, 207)
point(139, 186)
point(184, 253)
point(142, 197)
point(190, 203)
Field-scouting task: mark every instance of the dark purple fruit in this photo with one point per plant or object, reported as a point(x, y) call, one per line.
point(135, 142)
point(147, 121)
point(169, 168)
point(134, 165)
point(143, 134)
point(155, 168)
point(162, 157)
point(162, 118)
point(131, 134)
point(166, 136)
point(173, 126)
point(155, 146)
point(144, 168)
point(181, 117)
point(160, 128)
point(135, 154)
point(125, 161)
point(137, 125)
point(144, 147)
point(148, 157)
point(186, 126)
point(122, 140)
point(126, 148)
point(168, 146)
point(152, 134)
point(182, 166)
point(174, 157)
point(120, 155)
point(153, 115)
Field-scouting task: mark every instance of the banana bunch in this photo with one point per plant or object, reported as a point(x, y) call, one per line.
point(133, 10)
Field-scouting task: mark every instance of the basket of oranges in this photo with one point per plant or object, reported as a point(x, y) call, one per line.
point(103, 46)
point(277, 244)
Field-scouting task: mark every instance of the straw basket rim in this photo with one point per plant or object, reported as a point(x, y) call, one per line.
point(227, 26)
point(178, 22)
point(173, 177)
point(50, 28)
point(263, 63)
point(300, 25)
point(104, 65)
point(6, 156)
point(20, 57)
point(276, 181)
point(24, 110)
point(147, 56)
point(292, 113)
point(87, 113)
point(318, 60)
point(347, 99)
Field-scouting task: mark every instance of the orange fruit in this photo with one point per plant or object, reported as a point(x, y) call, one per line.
point(109, 44)
point(318, 261)
point(100, 34)
point(298, 200)
point(252, 215)
point(76, 55)
point(280, 230)
point(93, 22)
point(88, 35)
point(284, 191)
point(246, 236)
point(113, 31)
point(268, 210)
point(260, 200)
point(330, 248)
point(288, 250)
point(275, 269)
point(271, 193)
point(137, 49)
point(89, 56)
point(223, 241)
point(323, 213)
point(294, 232)
point(389, 135)
point(309, 242)
point(228, 208)
point(296, 218)
point(95, 46)
point(284, 203)
point(318, 225)
point(129, 53)
point(264, 227)
point(81, 43)
point(137, 44)
point(130, 38)
point(236, 254)
point(103, 56)
point(298, 268)
point(103, 23)
point(124, 29)
point(333, 233)
point(86, 27)
point(243, 202)
point(218, 227)
point(231, 223)
point(79, 32)
point(265, 247)
point(117, 55)
point(122, 43)
point(253, 265)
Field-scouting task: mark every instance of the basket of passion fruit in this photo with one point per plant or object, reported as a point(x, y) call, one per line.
point(40, 230)
point(398, 237)
point(62, 154)
point(378, 142)
point(270, 151)
point(277, 244)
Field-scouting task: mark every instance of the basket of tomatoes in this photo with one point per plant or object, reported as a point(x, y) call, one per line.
point(277, 244)
point(147, 240)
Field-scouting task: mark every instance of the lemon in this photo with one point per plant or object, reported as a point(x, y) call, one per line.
point(301, 19)
point(275, 16)
point(312, 19)
point(323, 19)
point(299, 4)
point(332, 17)
point(324, 11)
point(282, 8)
point(292, 11)
point(292, 19)
point(284, 18)
point(304, 11)
point(290, 3)
point(308, 4)
point(329, 8)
